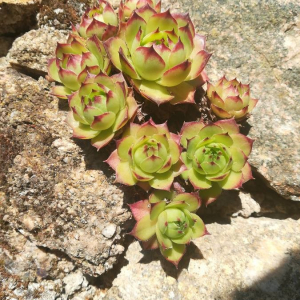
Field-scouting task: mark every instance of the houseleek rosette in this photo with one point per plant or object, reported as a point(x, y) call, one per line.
point(74, 61)
point(161, 54)
point(216, 157)
point(230, 99)
point(128, 6)
point(167, 221)
point(100, 108)
point(101, 20)
point(149, 155)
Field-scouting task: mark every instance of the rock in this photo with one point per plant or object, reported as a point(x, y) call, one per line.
point(254, 200)
point(30, 52)
point(256, 258)
point(5, 44)
point(109, 231)
point(73, 282)
point(59, 191)
point(17, 16)
point(258, 41)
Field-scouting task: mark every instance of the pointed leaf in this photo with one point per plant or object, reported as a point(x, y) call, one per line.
point(174, 254)
point(144, 228)
point(148, 63)
point(163, 241)
point(198, 181)
point(176, 75)
point(233, 181)
point(124, 174)
point(140, 209)
point(198, 228)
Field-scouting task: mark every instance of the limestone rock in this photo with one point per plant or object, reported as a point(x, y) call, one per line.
point(247, 259)
point(59, 191)
point(30, 52)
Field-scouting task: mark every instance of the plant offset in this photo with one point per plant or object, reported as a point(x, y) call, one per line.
point(117, 64)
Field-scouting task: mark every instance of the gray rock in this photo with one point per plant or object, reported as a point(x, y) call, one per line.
point(256, 258)
point(60, 191)
point(5, 44)
point(30, 52)
point(258, 41)
point(73, 282)
point(109, 231)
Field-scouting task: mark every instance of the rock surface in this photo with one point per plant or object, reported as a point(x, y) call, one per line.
point(28, 272)
point(247, 259)
point(258, 41)
point(32, 58)
point(57, 191)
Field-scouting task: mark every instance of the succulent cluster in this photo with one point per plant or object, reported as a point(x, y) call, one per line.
point(115, 61)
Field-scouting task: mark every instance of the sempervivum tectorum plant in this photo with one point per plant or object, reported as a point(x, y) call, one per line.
point(161, 54)
point(147, 154)
point(100, 20)
point(128, 6)
point(167, 221)
point(216, 157)
point(230, 99)
point(74, 61)
point(100, 108)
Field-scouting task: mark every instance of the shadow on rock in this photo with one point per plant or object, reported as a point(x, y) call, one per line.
point(193, 252)
point(282, 283)
point(95, 160)
point(222, 209)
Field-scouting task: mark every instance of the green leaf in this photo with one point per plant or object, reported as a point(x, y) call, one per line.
point(123, 147)
point(144, 229)
point(162, 181)
point(239, 159)
point(164, 241)
point(185, 239)
point(198, 228)
point(157, 209)
point(232, 181)
point(198, 181)
point(124, 174)
point(192, 200)
point(174, 254)
point(211, 194)
point(190, 130)
point(102, 139)
point(158, 196)
point(209, 131)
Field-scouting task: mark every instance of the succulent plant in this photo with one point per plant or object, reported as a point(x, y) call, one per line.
point(149, 155)
point(216, 157)
point(161, 54)
point(128, 6)
point(230, 99)
point(100, 108)
point(74, 61)
point(100, 20)
point(167, 221)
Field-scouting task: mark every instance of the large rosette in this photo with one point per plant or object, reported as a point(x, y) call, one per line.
point(100, 108)
point(168, 221)
point(216, 157)
point(162, 55)
point(147, 154)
